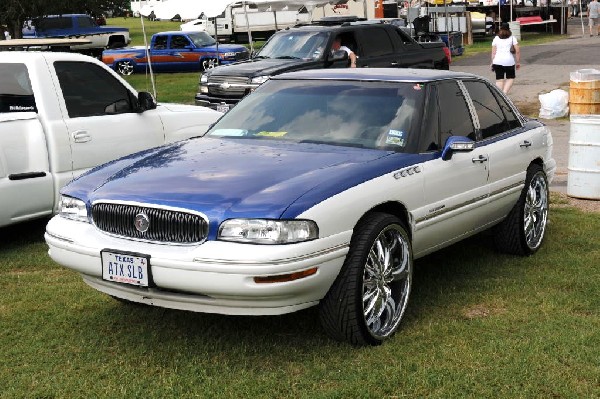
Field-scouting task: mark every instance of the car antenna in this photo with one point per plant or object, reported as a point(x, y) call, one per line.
point(148, 57)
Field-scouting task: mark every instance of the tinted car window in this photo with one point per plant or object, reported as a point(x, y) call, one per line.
point(430, 140)
point(55, 23)
point(90, 90)
point(359, 114)
point(491, 117)
point(16, 94)
point(455, 118)
point(85, 22)
point(376, 42)
point(160, 42)
point(179, 42)
point(511, 118)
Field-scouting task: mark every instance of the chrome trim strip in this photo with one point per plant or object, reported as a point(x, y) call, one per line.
point(467, 203)
point(274, 262)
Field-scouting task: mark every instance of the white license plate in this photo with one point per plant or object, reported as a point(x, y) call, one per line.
point(121, 267)
point(223, 107)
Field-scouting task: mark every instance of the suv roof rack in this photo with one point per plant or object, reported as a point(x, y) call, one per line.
point(341, 20)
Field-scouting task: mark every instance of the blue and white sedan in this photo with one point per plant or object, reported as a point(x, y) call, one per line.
point(318, 189)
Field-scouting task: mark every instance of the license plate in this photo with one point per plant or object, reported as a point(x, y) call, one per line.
point(223, 107)
point(125, 268)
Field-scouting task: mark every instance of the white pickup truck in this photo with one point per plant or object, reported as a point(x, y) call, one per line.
point(63, 113)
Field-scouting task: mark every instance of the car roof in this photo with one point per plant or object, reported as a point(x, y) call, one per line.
point(376, 74)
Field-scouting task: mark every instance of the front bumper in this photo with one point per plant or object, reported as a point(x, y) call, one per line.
point(214, 277)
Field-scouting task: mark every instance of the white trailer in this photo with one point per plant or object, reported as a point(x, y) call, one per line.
point(235, 21)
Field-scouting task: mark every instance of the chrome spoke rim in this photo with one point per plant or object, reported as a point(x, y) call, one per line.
point(536, 211)
point(386, 282)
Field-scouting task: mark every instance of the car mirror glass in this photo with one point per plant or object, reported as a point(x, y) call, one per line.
point(145, 101)
point(339, 55)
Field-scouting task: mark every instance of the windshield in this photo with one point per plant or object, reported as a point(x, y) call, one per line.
point(295, 45)
point(202, 39)
point(377, 115)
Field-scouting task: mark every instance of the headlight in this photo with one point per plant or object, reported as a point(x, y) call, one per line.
point(203, 83)
point(226, 55)
point(72, 208)
point(259, 80)
point(261, 231)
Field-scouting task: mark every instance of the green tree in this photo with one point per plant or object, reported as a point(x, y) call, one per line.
point(14, 12)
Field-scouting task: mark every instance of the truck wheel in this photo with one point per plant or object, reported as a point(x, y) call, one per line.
point(523, 230)
point(208, 63)
point(365, 304)
point(125, 68)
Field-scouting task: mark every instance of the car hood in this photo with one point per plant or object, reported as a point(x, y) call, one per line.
point(227, 178)
point(260, 67)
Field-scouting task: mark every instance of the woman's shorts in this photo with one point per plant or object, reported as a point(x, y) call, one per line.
point(504, 72)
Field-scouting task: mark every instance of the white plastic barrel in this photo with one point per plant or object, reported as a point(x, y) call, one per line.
point(515, 29)
point(583, 179)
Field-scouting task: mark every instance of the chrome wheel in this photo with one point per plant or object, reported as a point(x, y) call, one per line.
point(366, 302)
point(386, 282)
point(536, 211)
point(209, 63)
point(125, 68)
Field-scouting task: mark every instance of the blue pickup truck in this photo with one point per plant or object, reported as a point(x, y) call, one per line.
point(175, 52)
point(78, 26)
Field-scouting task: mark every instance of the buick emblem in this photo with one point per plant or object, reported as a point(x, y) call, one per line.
point(142, 222)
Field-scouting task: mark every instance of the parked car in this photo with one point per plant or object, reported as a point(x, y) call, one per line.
point(318, 189)
point(62, 114)
point(377, 44)
point(174, 52)
point(78, 26)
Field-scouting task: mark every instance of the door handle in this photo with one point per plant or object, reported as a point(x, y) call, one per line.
point(480, 159)
point(525, 144)
point(81, 136)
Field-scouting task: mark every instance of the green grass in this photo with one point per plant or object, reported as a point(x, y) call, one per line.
point(479, 325)
point(483, 44)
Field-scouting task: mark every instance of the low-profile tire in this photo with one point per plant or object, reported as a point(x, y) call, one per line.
point(124, 68)
point(366, 303)
point(523, 230)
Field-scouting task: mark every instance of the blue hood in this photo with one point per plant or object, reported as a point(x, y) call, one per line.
point(227, 178)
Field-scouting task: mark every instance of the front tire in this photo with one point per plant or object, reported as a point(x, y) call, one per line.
point(523, 230)
point(125, 68)
point(365, 304)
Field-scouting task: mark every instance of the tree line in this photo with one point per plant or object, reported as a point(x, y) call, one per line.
point(13, 13)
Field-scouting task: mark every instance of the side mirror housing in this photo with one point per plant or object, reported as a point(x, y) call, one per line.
point(457, 144)
point(339, 55)
point(145, 101)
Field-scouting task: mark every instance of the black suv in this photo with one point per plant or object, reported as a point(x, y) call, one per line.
point(377, 45)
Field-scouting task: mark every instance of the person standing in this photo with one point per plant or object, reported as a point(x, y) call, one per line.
point(506, 58)
point(593, 14)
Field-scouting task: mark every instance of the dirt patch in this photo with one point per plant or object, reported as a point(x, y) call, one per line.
point(559, 200)
point(482, 310)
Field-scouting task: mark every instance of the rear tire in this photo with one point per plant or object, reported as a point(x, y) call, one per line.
point(523, 230)
point(366, 303)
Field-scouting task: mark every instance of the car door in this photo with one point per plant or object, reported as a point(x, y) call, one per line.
point(455, 188)
point(100, 115)
point(375, 48)
point(26, 188)
point(509, 147)
point(182, 57)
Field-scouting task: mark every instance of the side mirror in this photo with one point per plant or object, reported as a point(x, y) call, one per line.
point(457, 144)
point(145, 101)
point(339, 55)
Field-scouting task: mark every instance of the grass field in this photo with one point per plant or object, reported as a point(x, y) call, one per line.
point(479, 325)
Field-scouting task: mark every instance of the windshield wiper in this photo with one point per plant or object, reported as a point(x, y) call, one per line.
point(288, 57)
point(260, 57)
point(341, 143)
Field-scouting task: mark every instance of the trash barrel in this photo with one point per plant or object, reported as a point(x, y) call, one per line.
point(583, 179)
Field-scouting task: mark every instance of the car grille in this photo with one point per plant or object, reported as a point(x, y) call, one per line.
point(217, 90)
point(165, 226)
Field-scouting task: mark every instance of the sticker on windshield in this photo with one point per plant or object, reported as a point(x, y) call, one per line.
point(229, 132)
point(395, 137)
point(271, 134)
